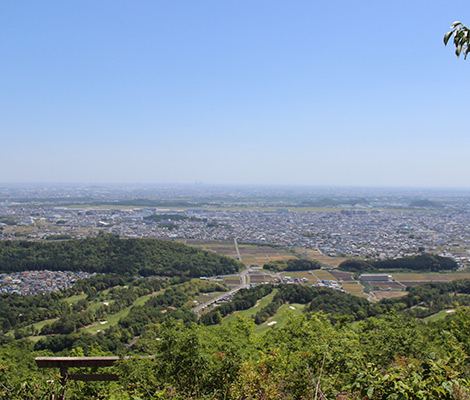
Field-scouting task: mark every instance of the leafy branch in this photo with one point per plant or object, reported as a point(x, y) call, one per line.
point(461, 38)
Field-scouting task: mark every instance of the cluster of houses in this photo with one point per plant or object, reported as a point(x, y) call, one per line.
point(29, 283)
point(376, 234)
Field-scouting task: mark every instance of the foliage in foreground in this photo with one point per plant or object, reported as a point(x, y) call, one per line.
point(388, 357)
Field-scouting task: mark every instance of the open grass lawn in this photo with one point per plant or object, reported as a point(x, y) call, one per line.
point(41, 324)
point(75, 299)
point(110, 320)
point(37, 325)
point(36, 338)
point(323, 274)
point(355, 289)
point(440, 315)
point(113, 319)
point(281, 317)
point(253, 310)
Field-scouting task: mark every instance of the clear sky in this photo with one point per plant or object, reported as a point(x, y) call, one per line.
point(359, 93)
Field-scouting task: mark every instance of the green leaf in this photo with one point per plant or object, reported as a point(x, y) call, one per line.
point(456, 23)
point(447, 37)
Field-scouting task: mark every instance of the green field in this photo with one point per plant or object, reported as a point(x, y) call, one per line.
point(75, 299)
point(281, 317)
point(438, 316)
point(253, 310)
point(113, 319)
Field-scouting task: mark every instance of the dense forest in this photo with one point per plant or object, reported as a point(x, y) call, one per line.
point(108, 254)
point(293, 264)
point(421, 263)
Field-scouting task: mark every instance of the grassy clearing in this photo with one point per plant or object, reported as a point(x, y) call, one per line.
point(75, 299)
point(113, 319)
point(42, 324)
point(438, 316)
point(281, 317)
point(251, 311)
point(36, 338)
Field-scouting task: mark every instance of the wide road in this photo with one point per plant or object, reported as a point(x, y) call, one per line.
point(231, 292)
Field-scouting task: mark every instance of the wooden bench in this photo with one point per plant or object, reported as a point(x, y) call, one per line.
point(64, 363)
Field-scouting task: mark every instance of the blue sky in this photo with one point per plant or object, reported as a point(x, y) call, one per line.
point(355, 93)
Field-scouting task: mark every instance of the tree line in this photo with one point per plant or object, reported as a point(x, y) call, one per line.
point(422, 263)
point(108, 254)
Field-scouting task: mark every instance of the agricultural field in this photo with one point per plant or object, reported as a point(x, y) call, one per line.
point(388, 285)
point(226, 248)
point(344, 276)
point(301, 274)
point(259, 278)
point(252, 254)
point(414, 278)
point(315, 255)
point(322, 274)
point(231, 281)
point(356, 289)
